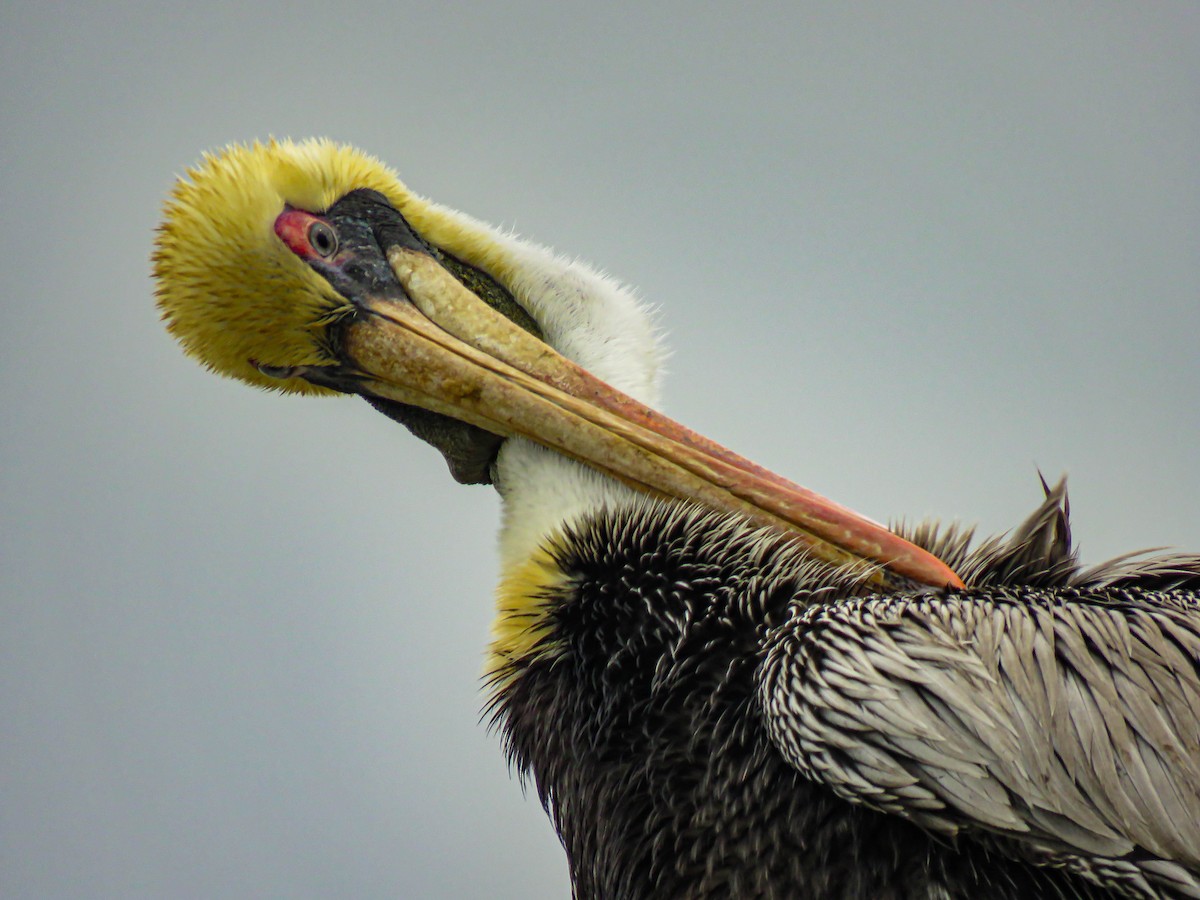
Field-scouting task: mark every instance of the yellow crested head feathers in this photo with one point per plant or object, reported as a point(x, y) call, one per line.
point(227, 287)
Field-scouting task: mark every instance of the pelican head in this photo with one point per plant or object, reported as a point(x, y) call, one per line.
point(233, 294)
point(310, 267)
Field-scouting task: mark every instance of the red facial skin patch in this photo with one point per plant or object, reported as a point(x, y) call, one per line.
point(292, 226)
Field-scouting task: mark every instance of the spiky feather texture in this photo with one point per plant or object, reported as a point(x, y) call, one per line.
point(637, 709)
point(227, 287)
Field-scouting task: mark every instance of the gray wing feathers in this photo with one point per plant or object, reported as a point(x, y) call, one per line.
point(1062, 720)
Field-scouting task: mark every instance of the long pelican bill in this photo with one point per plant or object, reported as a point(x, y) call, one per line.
point(418, 336)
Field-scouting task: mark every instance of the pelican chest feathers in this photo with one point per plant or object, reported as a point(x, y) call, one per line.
point(721, 683)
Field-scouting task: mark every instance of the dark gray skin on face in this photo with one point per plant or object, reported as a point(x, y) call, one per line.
point(368, 225)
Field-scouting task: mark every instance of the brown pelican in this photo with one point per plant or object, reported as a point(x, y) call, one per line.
point(722, 685)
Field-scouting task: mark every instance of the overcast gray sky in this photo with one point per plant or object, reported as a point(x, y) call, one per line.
point(907, 253)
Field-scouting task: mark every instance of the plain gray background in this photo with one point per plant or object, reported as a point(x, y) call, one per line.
point(907, 253)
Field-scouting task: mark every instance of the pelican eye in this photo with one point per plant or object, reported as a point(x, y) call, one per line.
point(323, 239)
